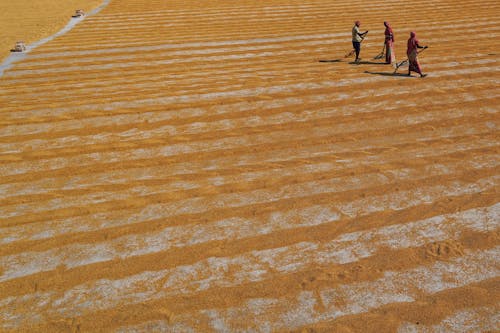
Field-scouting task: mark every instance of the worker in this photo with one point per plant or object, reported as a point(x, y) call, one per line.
point(390, 57)
point(357, 38)
point(412, 53)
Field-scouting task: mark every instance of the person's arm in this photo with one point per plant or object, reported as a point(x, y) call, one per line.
point(421, 47)
point(362, 34)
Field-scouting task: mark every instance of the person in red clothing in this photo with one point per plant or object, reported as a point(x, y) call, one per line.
point(390, 57)
point(412, 53)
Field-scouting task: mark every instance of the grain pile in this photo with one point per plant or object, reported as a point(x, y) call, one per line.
point(192, 166)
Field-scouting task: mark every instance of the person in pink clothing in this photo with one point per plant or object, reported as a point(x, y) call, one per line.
point(412, 53)
point(390, 57)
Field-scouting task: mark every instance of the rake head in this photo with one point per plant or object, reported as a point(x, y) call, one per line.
point(399, 64)
point(349, 54)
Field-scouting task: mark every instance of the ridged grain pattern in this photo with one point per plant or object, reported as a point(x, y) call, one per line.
point(219, 166)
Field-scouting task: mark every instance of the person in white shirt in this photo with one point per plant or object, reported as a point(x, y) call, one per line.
point(357, 38)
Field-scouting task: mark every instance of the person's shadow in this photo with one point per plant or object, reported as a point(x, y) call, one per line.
point(366, 63)
point(333, 60)
point(388, 74)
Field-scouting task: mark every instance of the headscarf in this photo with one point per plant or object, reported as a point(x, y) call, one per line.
point(389, 35)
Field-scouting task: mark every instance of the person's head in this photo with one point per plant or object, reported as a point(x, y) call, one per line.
point(413, 34)
point(357, 23)
point(386, 24)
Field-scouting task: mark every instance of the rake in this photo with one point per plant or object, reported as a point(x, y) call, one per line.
point(381, 54)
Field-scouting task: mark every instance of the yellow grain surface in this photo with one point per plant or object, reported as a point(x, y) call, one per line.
point(219, 166)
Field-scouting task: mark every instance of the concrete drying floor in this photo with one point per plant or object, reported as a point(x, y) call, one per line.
point(192, 166)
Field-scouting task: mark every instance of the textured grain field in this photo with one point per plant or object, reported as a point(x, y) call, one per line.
point(187, 166)
point(32, 20)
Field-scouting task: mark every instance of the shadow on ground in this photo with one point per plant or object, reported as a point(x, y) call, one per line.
point(388, 74)
point(367, 63)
